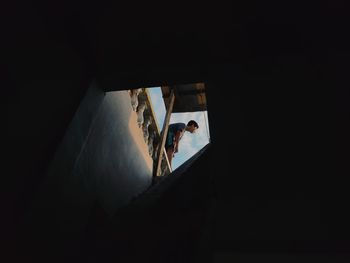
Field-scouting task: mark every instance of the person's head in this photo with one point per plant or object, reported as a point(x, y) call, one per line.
point(192, 126)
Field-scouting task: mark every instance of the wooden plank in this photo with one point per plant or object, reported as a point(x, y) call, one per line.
point(164, 133)
point(152, 111)
point(167, 160)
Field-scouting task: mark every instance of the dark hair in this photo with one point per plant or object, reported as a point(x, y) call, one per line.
point(192, 122)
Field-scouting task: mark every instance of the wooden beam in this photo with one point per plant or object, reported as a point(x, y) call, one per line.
point(164, 133)
point(167, 160)
point(150, 105)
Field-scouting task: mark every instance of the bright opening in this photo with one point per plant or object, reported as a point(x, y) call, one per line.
point(190, 144)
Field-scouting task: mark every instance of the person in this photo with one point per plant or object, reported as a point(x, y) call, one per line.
point(175, 133)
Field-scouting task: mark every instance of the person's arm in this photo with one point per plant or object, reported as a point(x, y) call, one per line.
point(177, 140)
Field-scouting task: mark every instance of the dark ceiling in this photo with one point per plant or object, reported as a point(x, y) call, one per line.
point(265, 65)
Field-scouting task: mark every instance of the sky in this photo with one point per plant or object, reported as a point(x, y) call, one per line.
point(190, 144)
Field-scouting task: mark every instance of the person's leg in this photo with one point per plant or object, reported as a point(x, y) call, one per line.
point(169, 146)
point(170, 153)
